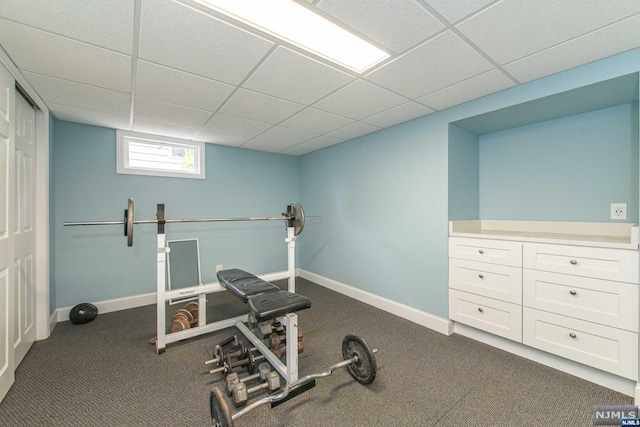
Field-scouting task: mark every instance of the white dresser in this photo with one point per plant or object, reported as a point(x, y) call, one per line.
point(569, 289)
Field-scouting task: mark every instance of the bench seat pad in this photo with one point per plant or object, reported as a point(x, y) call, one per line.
point(276, 304)
point(244, 285)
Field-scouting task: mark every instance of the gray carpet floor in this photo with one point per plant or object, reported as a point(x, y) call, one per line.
point(104, 373)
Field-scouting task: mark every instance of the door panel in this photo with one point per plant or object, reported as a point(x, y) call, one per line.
point(7, 279)
point(24, 235)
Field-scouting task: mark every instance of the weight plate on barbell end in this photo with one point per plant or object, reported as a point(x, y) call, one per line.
point(129, 222)
point(298, 217)
point(220, 413)
point(364, 370)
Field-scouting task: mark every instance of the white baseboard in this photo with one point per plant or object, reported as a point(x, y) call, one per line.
point(438, 324)
point(605, 379)
point(125, 303)
point(53, 321)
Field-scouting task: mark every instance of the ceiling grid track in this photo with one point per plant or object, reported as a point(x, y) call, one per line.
point(134, 56)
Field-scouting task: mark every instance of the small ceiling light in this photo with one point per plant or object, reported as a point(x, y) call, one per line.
point(298, 25)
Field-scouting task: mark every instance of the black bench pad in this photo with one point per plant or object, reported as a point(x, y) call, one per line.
point(276, 304)
point(244, 285)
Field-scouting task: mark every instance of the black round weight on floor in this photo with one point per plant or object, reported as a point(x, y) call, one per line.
point(83, 313)
point(220, 413)
point(364, 370)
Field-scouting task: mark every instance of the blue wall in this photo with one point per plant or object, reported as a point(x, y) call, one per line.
point(95, 264)
point(569, 169)
point(464, 165)
point(384, 197)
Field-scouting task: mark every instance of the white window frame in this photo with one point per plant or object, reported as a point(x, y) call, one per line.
point(122, 159)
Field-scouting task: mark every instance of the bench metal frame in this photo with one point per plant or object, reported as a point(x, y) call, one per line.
point(290, 321)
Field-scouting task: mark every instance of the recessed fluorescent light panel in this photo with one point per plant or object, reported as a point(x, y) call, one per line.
point(298, 25)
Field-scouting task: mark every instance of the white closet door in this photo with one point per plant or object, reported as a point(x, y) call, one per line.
point(25, 330)
point(7, 194)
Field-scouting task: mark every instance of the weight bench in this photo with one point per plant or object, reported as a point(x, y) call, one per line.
point(265, 299)
point(267, 302)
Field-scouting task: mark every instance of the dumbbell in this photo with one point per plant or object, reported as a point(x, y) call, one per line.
point(229, 365)
point(219, 352)
point(233, 378)
point(240, 393)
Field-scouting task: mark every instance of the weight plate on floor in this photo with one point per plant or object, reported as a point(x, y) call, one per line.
point(220, 413)
point(179, 323)
point(186, 313)
point(193, 308)
point(364, 370)
point(83, 313)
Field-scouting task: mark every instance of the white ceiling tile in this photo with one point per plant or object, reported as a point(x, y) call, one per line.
point(399, 114)
point(453, 11)
point(607, 41)
point(262, 145)
point(107, 24)
point(353, 130)
point(438, 63)
point(236, 126)
point(82, 115)
point(183, 38)
point(286, 136)
point(155, 128)
point(150, 109)
point(261, 108)
point(47, 54)
point(321, 142)
point(80, 95)
point(359, 99)
point(316, 121)
point(220, 138)
point(475, 87)
point(398, 24)
point(298, 150)
point(177, 87)
point(510, 30)
point(292, 76)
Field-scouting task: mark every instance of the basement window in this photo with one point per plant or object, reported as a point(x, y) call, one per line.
point(155, 155)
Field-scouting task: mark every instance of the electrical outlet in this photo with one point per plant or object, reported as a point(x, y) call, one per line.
point(618, 211)
point(219, 266)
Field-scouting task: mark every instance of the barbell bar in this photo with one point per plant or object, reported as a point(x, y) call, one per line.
point(294, 216)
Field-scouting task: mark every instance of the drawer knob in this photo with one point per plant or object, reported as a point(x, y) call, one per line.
point(480, 310)
point(572, 292)
point(573, 262)
point(572, 335)
point(480, 251)
point(481, 276)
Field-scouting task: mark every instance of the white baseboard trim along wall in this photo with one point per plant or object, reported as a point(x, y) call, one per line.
point(117, 304)
point(438, 324)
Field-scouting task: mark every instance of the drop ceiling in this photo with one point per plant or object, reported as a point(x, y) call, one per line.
point(173, 68)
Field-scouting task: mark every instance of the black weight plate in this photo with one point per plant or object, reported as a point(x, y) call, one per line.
point(364, 370)
point(220, 413)
point(83, 313)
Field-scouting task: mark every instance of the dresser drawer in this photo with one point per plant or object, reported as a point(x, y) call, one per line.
point(485, 250)
point(601, 301)
point(609, 349)
point(609, 264)
point(490, 280)
point(497, 317)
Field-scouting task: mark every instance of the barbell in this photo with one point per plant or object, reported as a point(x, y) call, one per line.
point(294, 216)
